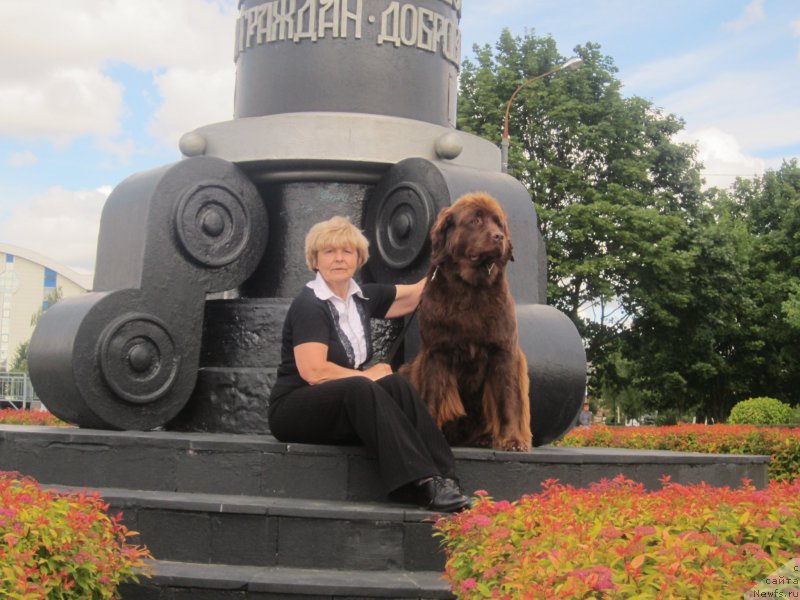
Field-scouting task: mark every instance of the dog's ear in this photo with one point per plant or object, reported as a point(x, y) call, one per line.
point(509, 247)
point(439, 232)
point(509, 254)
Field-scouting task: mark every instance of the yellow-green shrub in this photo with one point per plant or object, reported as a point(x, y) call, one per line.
point(761, 411)
point(616, 540)
point(56, 546)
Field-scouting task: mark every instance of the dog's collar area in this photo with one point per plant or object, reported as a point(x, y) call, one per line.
point(489, 267)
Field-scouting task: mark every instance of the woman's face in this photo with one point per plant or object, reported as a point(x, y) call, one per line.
point(337, 265)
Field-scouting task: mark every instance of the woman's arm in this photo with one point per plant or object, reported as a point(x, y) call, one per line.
point(406, 299)
point(314, 367)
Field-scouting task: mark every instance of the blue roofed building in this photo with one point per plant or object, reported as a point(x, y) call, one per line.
point(28, 284)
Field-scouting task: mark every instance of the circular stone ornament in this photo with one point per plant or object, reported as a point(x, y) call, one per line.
point(212, 224)
point(404, 217)
point(138, 359)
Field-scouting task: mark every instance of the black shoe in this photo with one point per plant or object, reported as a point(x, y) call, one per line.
point(442, 494)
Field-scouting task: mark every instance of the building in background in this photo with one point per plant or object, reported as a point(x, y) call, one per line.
point(28, 282)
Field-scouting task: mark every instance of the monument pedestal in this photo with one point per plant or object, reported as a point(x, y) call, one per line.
point(241, 517)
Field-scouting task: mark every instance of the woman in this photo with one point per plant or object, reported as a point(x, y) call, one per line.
point(324, 394)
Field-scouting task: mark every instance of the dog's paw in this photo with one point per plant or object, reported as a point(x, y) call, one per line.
point(514, 445)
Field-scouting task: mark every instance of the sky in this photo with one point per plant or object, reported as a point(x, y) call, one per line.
point(93, 91)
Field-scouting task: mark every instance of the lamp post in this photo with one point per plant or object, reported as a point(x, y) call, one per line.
point(572, 63)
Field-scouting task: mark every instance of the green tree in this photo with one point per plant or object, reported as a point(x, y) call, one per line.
point(770, 206)
point(696, 349)
point(20, 362)
point(688, 302)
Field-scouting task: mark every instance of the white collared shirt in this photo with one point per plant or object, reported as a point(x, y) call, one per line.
point(349, 318)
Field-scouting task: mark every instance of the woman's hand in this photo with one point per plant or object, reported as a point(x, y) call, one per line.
point(377, 371)
point(314, 367)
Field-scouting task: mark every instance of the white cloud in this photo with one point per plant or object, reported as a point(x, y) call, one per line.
point(61, 105)
point(764, 130)
point(121, 150)
point(60, 84)
point(753, 13)
point(757, 107)
point(722, 157)
point(58, 88)
point(796, 32)
point(22, 159)
point(181, 111)
point(60, 224)
point(729, 82)
point(676, 70)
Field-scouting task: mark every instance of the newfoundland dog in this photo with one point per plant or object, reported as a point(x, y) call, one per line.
point(470, 369)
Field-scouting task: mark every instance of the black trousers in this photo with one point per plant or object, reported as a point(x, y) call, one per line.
point(387, 416)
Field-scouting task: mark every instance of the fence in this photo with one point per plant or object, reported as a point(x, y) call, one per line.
point(16, 391)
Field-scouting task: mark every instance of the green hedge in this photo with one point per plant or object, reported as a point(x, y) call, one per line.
point(782, 444)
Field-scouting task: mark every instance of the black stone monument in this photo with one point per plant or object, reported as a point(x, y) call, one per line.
point(341, 107)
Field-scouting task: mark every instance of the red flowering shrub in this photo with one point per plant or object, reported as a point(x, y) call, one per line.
point(782, 444)
point(616, 540)
point(61, 546)
point(12, 416)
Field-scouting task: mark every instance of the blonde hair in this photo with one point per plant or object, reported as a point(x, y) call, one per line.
point(337, 232)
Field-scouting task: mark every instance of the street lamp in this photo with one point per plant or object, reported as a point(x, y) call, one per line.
point(572, 63)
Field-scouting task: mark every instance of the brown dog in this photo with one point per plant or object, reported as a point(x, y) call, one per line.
point(470, 369)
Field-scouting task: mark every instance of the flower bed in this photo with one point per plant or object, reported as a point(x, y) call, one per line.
point(616, 540)
point(781, 443)
point(61, 546)
point(12, 416)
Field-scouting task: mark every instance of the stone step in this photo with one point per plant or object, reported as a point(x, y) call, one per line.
point(241, 517)
point(259, 465)
point(277, 532)
point(190, 581)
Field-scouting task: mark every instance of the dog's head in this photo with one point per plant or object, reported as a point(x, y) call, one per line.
point(472, 234)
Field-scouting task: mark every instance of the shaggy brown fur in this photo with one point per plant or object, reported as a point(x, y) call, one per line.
point(470, 369)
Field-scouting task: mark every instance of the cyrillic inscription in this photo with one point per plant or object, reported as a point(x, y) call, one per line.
point(410, 25)
point(401, 24)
